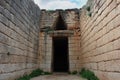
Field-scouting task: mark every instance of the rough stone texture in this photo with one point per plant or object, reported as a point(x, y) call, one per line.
point(19, 38)
point(100, 39)
point(49, 19)
point(94, 41)
point(59, 76)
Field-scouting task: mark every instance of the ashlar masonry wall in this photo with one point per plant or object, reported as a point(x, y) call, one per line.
point(19, 38)
point(49, 19)
point(100, 38)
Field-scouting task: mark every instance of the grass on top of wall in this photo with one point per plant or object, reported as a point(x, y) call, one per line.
point(34, 73)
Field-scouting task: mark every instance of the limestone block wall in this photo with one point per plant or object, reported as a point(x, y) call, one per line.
point(45, 52)
point(100, 39)
point(49, 19)
point(71, 17)
point(19, 37)
point(74, 52)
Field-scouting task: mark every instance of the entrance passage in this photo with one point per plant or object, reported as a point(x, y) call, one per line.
point(60, 54)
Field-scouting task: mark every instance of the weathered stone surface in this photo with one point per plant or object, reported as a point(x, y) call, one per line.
point(18, 38)
point(102, 27)
point(49, 19)
point(59, 76)
point(93, 41)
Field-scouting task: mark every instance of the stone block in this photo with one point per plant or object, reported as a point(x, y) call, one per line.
point(116, 44)
point(101, 66)
point(118, 1)
point(116, 33)
point(112, 66)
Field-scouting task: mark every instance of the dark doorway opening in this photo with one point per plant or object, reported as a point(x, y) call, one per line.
point(60, 54)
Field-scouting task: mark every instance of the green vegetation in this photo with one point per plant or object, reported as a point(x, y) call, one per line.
point(88, 8)
point(47, 73)
point(85, 73)
point(36, 73)
point(73, 73)
point(89, 11)
point(90, 14)
point(88, 74)
point(33, 74)
point(26, 77)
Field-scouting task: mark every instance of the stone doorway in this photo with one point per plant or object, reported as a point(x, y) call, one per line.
point(60, 54)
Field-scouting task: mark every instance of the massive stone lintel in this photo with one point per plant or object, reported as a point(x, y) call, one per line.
point(59, 33)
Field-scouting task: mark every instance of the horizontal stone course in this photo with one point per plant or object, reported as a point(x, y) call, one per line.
point(19, 28)
point(100, 40)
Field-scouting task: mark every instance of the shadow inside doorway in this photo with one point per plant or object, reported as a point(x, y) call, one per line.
point(60, 54)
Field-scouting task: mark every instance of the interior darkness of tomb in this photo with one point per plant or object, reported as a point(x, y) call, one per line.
point(60, 25)
point(60, 54)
